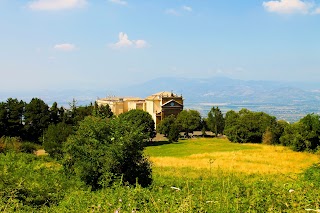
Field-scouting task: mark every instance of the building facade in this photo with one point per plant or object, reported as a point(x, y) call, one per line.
point(159, 105)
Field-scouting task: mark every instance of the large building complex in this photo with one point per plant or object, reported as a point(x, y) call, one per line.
point(159, 105)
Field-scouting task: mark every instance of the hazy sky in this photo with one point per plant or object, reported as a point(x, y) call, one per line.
point(48, 44)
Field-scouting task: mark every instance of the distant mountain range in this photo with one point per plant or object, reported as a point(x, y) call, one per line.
point(286, 100)
point(221, 89)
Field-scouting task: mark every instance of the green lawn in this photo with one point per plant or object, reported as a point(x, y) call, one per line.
point(185, 148)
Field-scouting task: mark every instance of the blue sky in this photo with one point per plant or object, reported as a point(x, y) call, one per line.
point(79, 44)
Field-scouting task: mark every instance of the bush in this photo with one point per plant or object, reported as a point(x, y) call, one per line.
point(54, 137)
point(28, 147)
point(32, 181)
point(100, 152)
point(312, 175)
point(10, 144)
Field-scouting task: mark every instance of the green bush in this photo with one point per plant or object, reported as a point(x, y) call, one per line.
point(312, 175)
point(28, 147)
point(31, 181)
point(100, 152)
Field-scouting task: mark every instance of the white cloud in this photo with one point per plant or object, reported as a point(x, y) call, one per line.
point(316, 11)
point(124, 42)
point(121, 2)
point(288, 6)
point(171, 11)
point(187, 8)
point(56, 4)
point(65, 47)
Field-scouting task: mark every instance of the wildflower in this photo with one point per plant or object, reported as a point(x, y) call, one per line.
point(120, 200)
point(175, 188)
point(314, 210)
point(291, 190)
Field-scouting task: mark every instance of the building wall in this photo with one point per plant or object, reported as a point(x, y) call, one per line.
point(153, 104)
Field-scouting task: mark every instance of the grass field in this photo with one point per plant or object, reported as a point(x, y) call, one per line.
point(203, 157)
point(200, 175)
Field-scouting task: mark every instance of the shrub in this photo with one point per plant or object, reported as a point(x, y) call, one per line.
point(28, 147)
point(32, 181)
point(101, 151)
point(54, 137)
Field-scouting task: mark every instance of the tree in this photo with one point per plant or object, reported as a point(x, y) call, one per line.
point(140, 119)
point(215, 121)
point(3, 119)
point(15, 110)
point(166, 124)
point(103, 111)
point(247, 126)
point(302, 135)
point(37, 118)
point(188, 121)
point(55, 114)
point(101, 151)
point(54, 137)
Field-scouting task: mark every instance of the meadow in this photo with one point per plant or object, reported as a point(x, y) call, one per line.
point(207, 175)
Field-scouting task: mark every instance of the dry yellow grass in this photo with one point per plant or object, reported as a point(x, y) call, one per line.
point(264, 160)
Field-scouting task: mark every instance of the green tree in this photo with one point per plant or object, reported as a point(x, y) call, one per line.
point(101, 151)
point(15, 111)
point(55, 114)
point(247, 126)
point(103, 111)
point(37, 119)
point(3, 119)
point(215, 121)
point(54, 137)
point(188, 121)
point(166, 124)
point(141, 119)
point(302, 135)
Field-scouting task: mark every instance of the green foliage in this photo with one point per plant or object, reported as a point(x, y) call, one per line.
point(188, 121)
point(169, 127)
point(303, 135)
point(166, 124)
point(11, 113)
point(247, 126)
point(28, 147)
point(102, 111)
point(312, 175)
point(10, 144)
point(37, 118)
point(140, 119)
point(174, 133)
point(31, 181)
point(54, 137)
point(101, 151)
point(215, 121)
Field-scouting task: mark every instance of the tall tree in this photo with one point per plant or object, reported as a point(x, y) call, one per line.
point(188, 121)
point(54, 137)
point(141, 119)
point(102, 111)
point(15, 111)
point(215, 121)
point(55, 114)
point(3, 119)
point(37, 119)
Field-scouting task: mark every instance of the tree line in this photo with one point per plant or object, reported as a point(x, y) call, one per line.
point(246, 126)
point(29, 121)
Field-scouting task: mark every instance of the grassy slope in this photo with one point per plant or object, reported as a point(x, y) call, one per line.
point(202, 155)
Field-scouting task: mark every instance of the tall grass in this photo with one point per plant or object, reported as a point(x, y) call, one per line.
point(206, 175)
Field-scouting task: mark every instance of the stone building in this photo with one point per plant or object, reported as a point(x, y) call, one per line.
point(159, 105)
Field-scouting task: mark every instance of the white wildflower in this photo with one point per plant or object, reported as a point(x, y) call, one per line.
point(175, 188)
